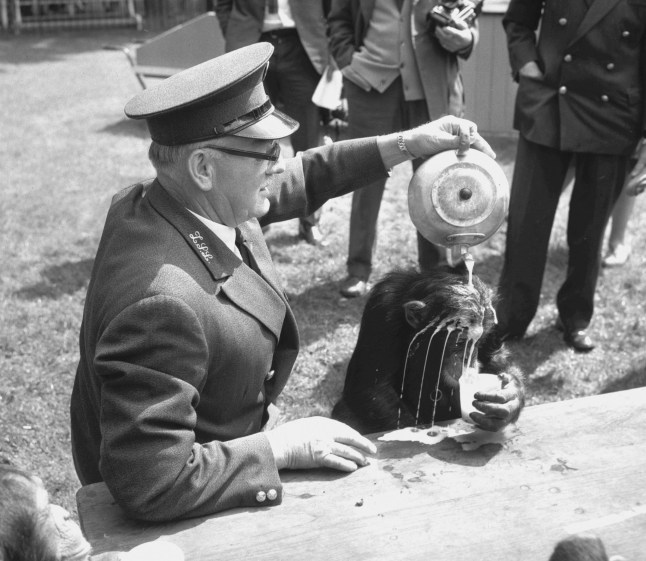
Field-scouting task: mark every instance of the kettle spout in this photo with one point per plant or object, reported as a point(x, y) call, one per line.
point(458, 252)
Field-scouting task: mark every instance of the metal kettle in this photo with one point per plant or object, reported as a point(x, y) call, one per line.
point(458, 200)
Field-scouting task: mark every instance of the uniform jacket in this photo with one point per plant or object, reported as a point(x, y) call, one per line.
point(242, 25)
point(439, 70)
point(183, 347)
point(591, 98)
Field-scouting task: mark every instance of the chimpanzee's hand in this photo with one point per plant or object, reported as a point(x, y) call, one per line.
point(319, 442)
point(501, 407)
point(445, 133)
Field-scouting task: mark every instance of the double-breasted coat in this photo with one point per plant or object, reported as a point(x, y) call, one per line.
point(593, 57)
point(183, 347)
point(588, 109)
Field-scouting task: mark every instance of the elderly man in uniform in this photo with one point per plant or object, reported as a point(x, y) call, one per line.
point(187, 336)
point(580, 100)
point(297, 30)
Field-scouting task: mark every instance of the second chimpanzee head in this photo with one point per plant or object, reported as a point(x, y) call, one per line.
point(32, 529)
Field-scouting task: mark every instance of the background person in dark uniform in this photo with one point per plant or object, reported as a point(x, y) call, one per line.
point(297, 30)
point(580, 99)
point(187, 336)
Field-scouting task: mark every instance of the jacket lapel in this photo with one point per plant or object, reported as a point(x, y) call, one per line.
point(597, 10)
point(260, 298)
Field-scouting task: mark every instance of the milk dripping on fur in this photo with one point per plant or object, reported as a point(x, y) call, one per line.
point(465, 327)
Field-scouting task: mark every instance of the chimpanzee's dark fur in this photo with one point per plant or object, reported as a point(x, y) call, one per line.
point(371, 395)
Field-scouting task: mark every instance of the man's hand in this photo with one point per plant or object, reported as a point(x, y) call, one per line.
point(443, 134)
point(501, 407)
point(319, 442)
point(454, 39)
point(637, 178)
point(531, 70)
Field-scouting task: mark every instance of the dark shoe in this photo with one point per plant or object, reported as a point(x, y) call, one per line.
point(310, 233)
point(352, 287)
point(579, 339)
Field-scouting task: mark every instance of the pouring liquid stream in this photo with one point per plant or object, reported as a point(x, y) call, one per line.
point(469, 261)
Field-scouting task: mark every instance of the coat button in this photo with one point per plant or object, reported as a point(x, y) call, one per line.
point(625, 33)
point(610, 66)
point(562, 90)
point(562, 22)
point(261, 496)
point(605, 98)
point(272, 494)
point(270, 375)
point(567, 58)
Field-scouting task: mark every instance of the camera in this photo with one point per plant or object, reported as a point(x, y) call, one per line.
point(447, 12)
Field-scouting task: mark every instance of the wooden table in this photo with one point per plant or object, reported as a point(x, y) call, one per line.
point(569, 467)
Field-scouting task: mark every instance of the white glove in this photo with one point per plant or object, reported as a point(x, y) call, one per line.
point(319, 442)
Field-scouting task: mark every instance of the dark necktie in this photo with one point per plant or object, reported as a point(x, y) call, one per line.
point(273, 6)
point(244, 250)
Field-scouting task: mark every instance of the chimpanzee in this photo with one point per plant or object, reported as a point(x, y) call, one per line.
point(418, 333)
point(32, 528)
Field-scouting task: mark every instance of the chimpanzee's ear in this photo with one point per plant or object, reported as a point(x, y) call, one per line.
point(414, 312)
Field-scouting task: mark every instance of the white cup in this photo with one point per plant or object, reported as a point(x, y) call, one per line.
point(471, 383)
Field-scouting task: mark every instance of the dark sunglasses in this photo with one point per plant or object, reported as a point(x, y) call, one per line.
point(272, 155)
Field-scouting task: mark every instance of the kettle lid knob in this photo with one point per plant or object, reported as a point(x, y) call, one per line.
point(465, 193)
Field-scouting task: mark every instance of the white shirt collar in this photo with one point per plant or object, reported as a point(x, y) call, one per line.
point(225, 233)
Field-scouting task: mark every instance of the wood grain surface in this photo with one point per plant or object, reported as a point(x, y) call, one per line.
point(568, 467)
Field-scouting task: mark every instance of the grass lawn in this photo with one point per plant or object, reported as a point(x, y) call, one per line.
point(66, 147)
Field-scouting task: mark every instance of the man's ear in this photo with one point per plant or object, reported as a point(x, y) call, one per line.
point(201, 168)
point(414, 313)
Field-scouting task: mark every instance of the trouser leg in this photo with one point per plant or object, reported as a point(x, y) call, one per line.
point(369, 113)
point(290, 83)
point(598, 183)
point(429, 255)
point(537, 182)
point(363, 228)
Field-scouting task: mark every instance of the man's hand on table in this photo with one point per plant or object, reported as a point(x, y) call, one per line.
point(501, 407)
point(319, 442)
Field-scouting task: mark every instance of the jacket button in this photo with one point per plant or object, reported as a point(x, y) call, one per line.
point(272, 494)
point(605, 98)
point(567, 58)
point(562, 90)
point(625, 33)
point(261, 496)
point(562, 22)
point(270, 375)
point(610, 66)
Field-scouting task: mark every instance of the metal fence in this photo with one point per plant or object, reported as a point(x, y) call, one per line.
point(46, 15)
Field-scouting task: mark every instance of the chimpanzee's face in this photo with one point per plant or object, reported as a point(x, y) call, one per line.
point(448, 323)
